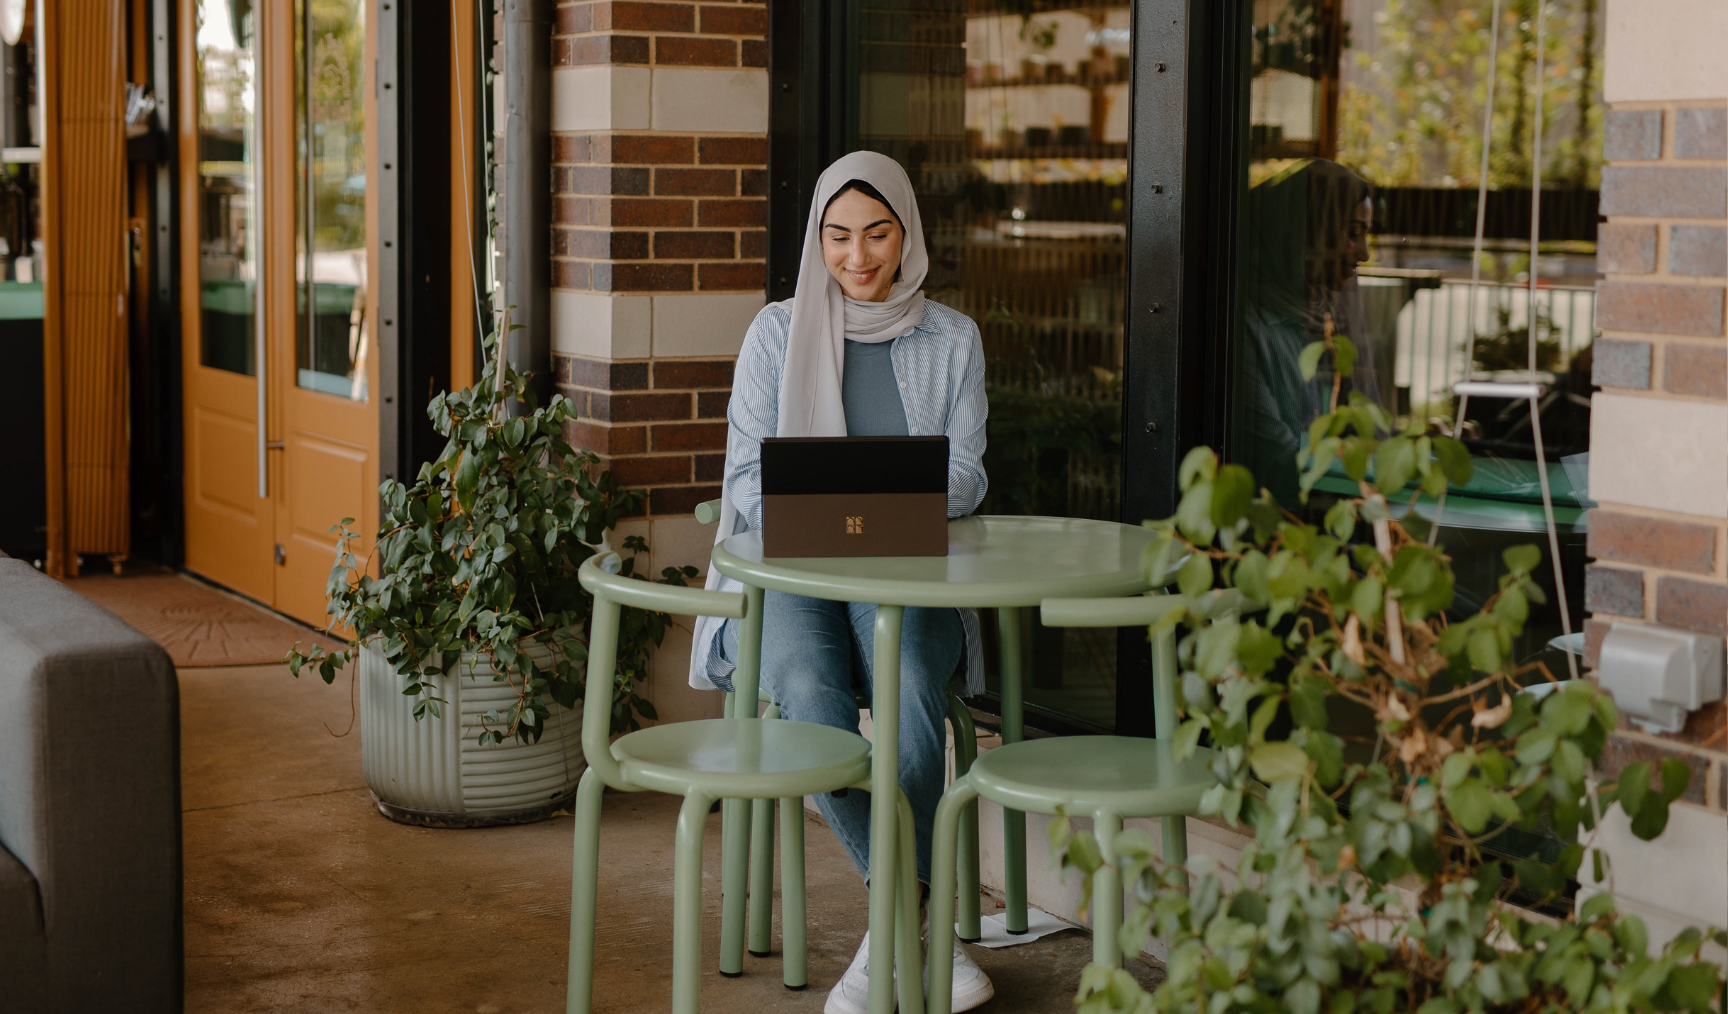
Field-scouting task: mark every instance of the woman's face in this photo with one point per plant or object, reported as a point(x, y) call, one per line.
point(861, 243)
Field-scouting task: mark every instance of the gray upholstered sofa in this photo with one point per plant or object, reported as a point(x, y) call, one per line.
point(89, 806)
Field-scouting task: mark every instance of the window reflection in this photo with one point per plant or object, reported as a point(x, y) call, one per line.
point(331, 270)
point(1364, 130)
point(1014, 128)
point(226, 211)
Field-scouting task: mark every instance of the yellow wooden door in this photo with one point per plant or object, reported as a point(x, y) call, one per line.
point(275, 232)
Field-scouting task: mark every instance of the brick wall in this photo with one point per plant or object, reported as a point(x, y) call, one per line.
point(1659, 455)
point(659, 246)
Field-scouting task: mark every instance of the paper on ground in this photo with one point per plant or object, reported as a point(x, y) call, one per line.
point(1038, 924)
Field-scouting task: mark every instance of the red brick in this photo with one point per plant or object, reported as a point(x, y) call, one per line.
point(1693, 605)
point(1698, 370)
point(601, 439)
point(570, 275)
point(753, 244)
point(1662, 192)
point(601, 374)
point(753, 183)
point(572, 19)
point(708, 436)
point(592, 49)
point(694, 245)
point(572, 148)
point(570, 210)
point(734, 276)
point(652, 213)
point(687, 373)
point(710, 467)
point(712, 404)
point(696, 182)
point(642, 277)
point(600, 243)
point(687, 52)
point(561, 55)
point(752, 53)
point(679, 499)
point(1697, 250)
point(751, 151)
point(722, 214)
point(1652, 542)
point(1626, 248)
point(639, 16)
point(649, 471)
point(1594, 631)
point(1701, 132)
point(735, 20)
point(599, 180)
point(1620, 751)
point(645, 149)
point(1662, 309)
point(644, 407)
point(1615, 590)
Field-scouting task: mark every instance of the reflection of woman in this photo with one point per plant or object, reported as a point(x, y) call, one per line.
point(859, 352)
point(1307, 231)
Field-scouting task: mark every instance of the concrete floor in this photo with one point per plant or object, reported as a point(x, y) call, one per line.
point(300, 897)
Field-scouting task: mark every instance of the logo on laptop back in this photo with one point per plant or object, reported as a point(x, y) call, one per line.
point(854, 525)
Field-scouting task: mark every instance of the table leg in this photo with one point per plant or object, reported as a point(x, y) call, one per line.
point(1013, 731)
point(884, 796)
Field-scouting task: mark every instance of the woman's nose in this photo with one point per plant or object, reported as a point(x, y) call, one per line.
point(856, 256)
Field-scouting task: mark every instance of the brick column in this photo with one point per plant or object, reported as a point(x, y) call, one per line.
point(1659, 426)
point(659, 246)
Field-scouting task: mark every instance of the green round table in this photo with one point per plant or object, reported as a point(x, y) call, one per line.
point(1001, 562)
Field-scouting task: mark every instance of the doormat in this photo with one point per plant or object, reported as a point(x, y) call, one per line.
point(199, 626)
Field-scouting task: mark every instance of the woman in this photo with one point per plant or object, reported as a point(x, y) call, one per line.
point(858, 351)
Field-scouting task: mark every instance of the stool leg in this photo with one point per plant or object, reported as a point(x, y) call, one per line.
point(793, 947)
point(884, 789)
point(761, 877)
point(908, 951)
point(584, 889)
point(1174, 831)
point(1008, 624)
point(687, 905)
point(965, 752)
point(734, 871)
point(960, 799)
point(1107, 893)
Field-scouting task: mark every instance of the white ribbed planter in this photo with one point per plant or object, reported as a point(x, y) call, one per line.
point(435, 772)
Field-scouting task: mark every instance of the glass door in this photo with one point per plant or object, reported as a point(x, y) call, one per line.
point(1014, 128)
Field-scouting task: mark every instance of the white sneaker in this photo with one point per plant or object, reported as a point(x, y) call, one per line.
point(850, 995)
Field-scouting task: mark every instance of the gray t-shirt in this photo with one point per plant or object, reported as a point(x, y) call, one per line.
point(869, 393)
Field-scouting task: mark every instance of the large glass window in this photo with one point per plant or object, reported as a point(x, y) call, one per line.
point(1014, 128)
point(1359, 208)
point(330, 347)
point(227, 182)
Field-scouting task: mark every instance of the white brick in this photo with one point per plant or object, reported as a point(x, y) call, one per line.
point(705, 324)
point(1644, 872)
point(603, 327)
point(696, 98)
point(600, 98)
point(1665, 49)
point(1652, 452)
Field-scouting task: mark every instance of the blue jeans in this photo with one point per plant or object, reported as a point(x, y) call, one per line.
point(816, 656)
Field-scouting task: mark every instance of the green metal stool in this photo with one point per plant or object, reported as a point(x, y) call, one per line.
point(1104, 777)
point(746, 843)
point(737, 758)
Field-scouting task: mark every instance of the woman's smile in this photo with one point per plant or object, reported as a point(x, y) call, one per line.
point(861, 244)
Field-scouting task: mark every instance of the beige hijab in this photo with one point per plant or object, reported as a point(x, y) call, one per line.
point(823, 316)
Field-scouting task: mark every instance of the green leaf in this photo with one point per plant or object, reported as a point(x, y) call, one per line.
point(1693, 987)
point(1198, 465)
point(1344, 356)
point(1194, 514)
point(1232, 492)
point(1471, 803)
point(1521, 559)
point(1454, 460)
point(1195, 577)
point(1394, 464)
point(1634, 787)
point(1309, 361)
point(1275, 762)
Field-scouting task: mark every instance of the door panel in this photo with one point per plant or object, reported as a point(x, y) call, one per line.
point(278, 200)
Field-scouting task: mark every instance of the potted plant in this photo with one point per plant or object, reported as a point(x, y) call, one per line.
point(1370, 885)
point(470, 641)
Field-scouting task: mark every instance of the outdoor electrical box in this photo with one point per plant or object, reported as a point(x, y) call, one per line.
point(1659, 675)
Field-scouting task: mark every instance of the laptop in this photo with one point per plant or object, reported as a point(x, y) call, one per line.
point(855, 496)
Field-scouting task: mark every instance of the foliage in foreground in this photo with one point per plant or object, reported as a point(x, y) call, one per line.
point(1367, 888)
point(480, 555)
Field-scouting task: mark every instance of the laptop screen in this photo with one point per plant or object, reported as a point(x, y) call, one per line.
point(806, 465)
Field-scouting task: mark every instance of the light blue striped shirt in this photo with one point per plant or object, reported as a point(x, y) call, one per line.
point(939, 367)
